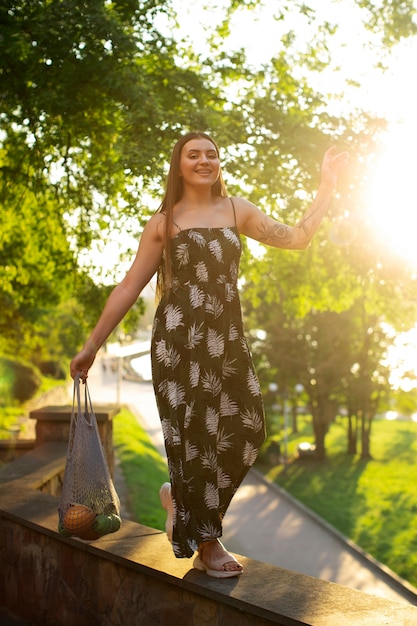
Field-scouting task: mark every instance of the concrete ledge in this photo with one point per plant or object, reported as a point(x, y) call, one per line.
point(11, 449)
point(103, 413)
point(132, 577)
point(36, 468)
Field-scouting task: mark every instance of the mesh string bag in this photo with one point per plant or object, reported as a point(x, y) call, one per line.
point(89, 505)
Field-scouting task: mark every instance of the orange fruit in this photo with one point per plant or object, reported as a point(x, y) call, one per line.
point(79, 519)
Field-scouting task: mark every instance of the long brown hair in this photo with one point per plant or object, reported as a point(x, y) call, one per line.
point(173, 194)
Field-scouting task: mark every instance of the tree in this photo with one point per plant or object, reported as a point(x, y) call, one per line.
point(93, 96)
point(325, 312)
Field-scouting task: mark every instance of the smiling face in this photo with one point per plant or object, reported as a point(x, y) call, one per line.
point(199, 163)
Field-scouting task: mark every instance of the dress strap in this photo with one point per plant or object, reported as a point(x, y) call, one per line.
point(175, 224)
point(234, 210)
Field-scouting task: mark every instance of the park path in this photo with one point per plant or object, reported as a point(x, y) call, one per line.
point(263, 522)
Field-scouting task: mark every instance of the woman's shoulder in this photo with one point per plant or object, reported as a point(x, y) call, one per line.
point(156, 224)
point(241, 203)
point(243, 207)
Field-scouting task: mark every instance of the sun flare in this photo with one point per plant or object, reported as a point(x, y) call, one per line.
point(391, 195)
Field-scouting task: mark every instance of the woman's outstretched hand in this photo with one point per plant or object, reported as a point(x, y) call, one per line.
point(333, 163)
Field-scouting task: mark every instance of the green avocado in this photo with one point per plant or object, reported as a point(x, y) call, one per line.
point(105, 524)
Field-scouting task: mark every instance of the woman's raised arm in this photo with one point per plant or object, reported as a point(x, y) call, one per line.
point(255, 224)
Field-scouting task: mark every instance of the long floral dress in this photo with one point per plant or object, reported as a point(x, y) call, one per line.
point(206, 388)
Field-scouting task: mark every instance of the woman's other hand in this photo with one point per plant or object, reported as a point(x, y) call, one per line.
point(82, 361)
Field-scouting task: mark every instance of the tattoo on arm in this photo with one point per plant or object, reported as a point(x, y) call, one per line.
point(282, 236)
point(275, 234)
point(318, 206)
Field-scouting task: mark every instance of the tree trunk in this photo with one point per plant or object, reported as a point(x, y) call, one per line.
point(320, 430)
point(294, 418)
point(352, 447)
point(366, 436)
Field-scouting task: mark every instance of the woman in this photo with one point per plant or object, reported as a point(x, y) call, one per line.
point(206, 388)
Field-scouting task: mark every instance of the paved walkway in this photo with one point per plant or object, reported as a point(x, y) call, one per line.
point(263, 522)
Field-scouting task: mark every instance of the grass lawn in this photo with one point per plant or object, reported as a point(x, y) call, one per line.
point(143, 468)
point(373, 502)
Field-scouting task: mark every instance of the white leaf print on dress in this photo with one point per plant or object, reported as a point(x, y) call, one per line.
point(214, 306)
point(251, 419)
point(191, 451)
point(253, 383)
point(173, 317)
point(244, 345)
point(209, 460)
point(201, 272)
point(172, 470)
point(211, 383)
point(227, 405)
point(208, 531)
point(233, 333)
point(229, 292)
point(184, 515)
point(189, 414)
point(216, 250)
point(228, 368)
point(223, 480)
point(211, 420)
point(167, 431)
point(194, 373)
point(215, 343)
point(223, 441)
point(172, 436)
point(197, 296)
point(249, 454)
point(231, 236)
point(168, 356)
point(195, 336)
point(182, 255)
point(211, 496)
point(173, 391)
point(234, 271)
point(197, 237)
point(176, 436)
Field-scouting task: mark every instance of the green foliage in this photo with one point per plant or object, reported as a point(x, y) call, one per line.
point(93, 97)
point(8, 417)
point(395, 19)
point(18, 381)
point(143, 468)
point(35, 262)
